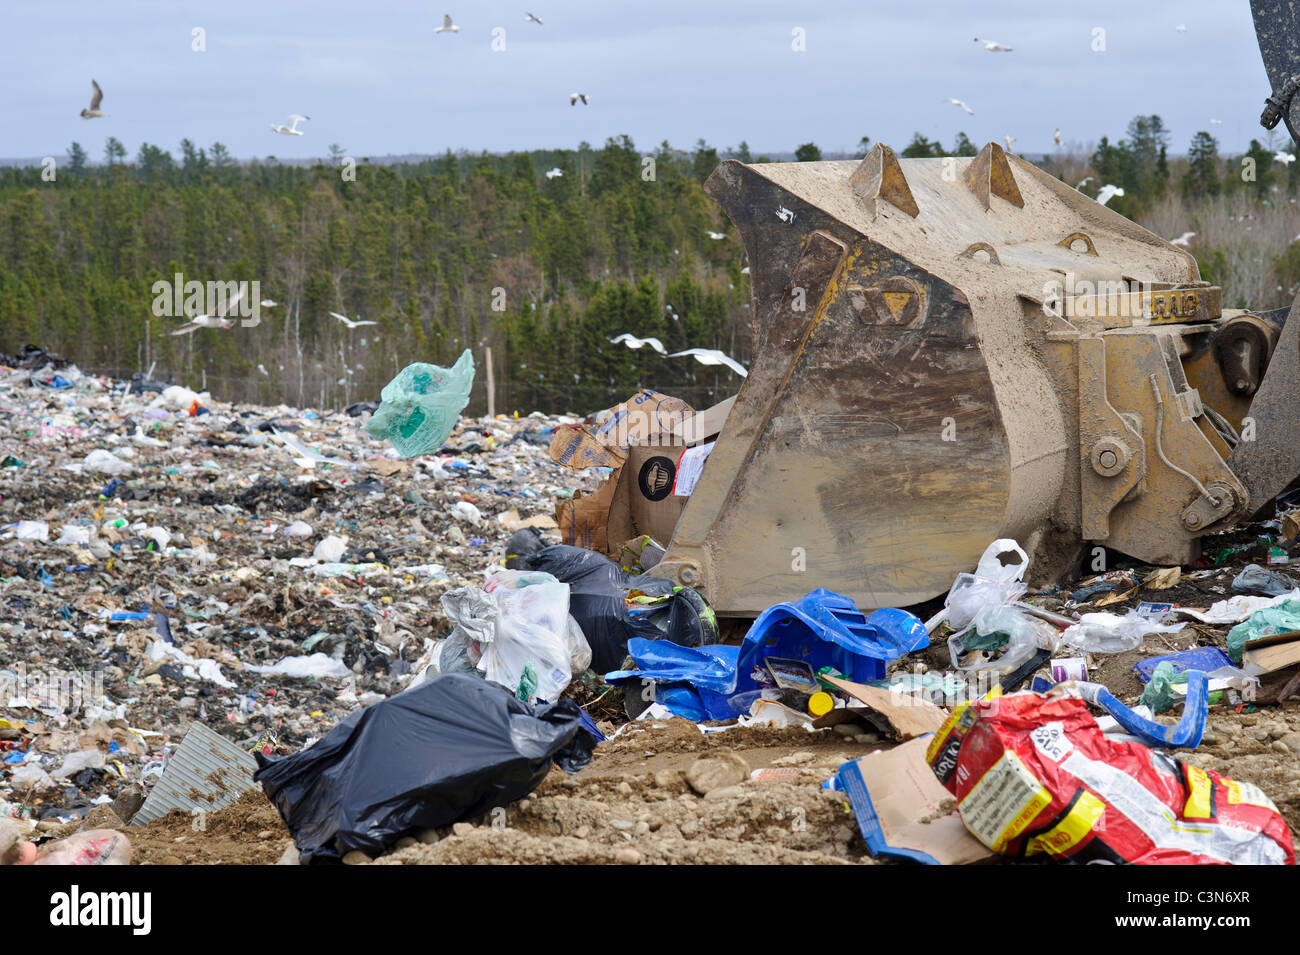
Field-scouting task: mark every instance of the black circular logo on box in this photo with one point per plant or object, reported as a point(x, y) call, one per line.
point(656, 478)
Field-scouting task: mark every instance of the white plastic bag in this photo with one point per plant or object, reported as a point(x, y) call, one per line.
point(1110, 633)
point(579, 648)
point(103, 462)
point(992, 585)
point(532, 627)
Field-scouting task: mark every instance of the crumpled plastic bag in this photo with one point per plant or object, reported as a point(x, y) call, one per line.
point(1260, 580)
point(532, 628)
point(1110, 633)
point(421, 405)
point(1279, 618)
point(444, 752)
point(105, 462)
point(992, 585)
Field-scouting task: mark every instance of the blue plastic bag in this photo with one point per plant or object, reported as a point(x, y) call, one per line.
point(820, 629)
point(421, 405)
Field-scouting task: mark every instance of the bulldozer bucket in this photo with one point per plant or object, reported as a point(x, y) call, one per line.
point(947, 352)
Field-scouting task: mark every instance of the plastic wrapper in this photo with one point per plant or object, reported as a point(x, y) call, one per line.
point(1002, 628)
point(1255, 579)
point(1035, 776)
point(446, 751)
point(421, 405)
point(1110, 633)
point(93, 847)
point(599, 594)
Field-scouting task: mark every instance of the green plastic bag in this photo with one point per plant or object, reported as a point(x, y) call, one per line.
point(1279, 618)
point(420, 407)
point(1159, 692)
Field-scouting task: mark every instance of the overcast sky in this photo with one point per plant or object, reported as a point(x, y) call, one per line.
point(375, 78)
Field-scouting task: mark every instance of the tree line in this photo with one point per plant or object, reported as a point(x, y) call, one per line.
point(541, 256)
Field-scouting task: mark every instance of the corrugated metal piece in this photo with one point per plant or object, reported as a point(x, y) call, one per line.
point(206, 773)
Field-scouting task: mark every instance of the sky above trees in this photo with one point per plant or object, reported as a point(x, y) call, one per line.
point(377, 80)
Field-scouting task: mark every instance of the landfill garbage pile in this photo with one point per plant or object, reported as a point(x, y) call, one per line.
point(169, 559)
point(224, 627)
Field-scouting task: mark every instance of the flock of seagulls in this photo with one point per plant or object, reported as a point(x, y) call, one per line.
point(705, 356)
point(218, 320)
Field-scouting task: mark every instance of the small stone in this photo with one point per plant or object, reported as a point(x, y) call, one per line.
point(642, 828)
point(356, 857)
point(1280, 747)
point(866, 739)
point(582, 832)
point(689, 828)
point(406, 842)
point(714, 772)
point(290, 856)
point(622, 825)
point(667, 778)
point(428, 836)
point(627, 857)
point(725, 792)
point(461, 829)
point(129, 801)
point(654, 823)
point(265, 834)
point(570, 784)
point(1292, 741)
point(1262, 735)
point(1211, 739)
point(625, 788)
point(524, 804)
point(846, 729)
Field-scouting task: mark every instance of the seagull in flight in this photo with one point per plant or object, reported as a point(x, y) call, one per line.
point(267, 303)
point(574, 97)
point(1216, 122)
point(447, 25)
point(994, 47)
point(1184, 240)
point(532, 19)
point(715, 235)
point(1284, 158)
point(1083, 182)
point(553, 173)
point(1181, 28)
point(349, 323)
point(631, 341)
point(1008, 140)
point(957, 102)
point(1056, 136)
point(711, 356)
point(96, 98)
point(211, 321)
point(1108, 191)
point(291, 129)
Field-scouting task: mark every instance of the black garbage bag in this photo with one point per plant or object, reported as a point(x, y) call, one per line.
point(446, 751)
point(522, 543)
point(598, 590)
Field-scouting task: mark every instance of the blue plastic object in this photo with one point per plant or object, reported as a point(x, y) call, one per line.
point(821, 629)
point(1185, 734)
point(1206, 659)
